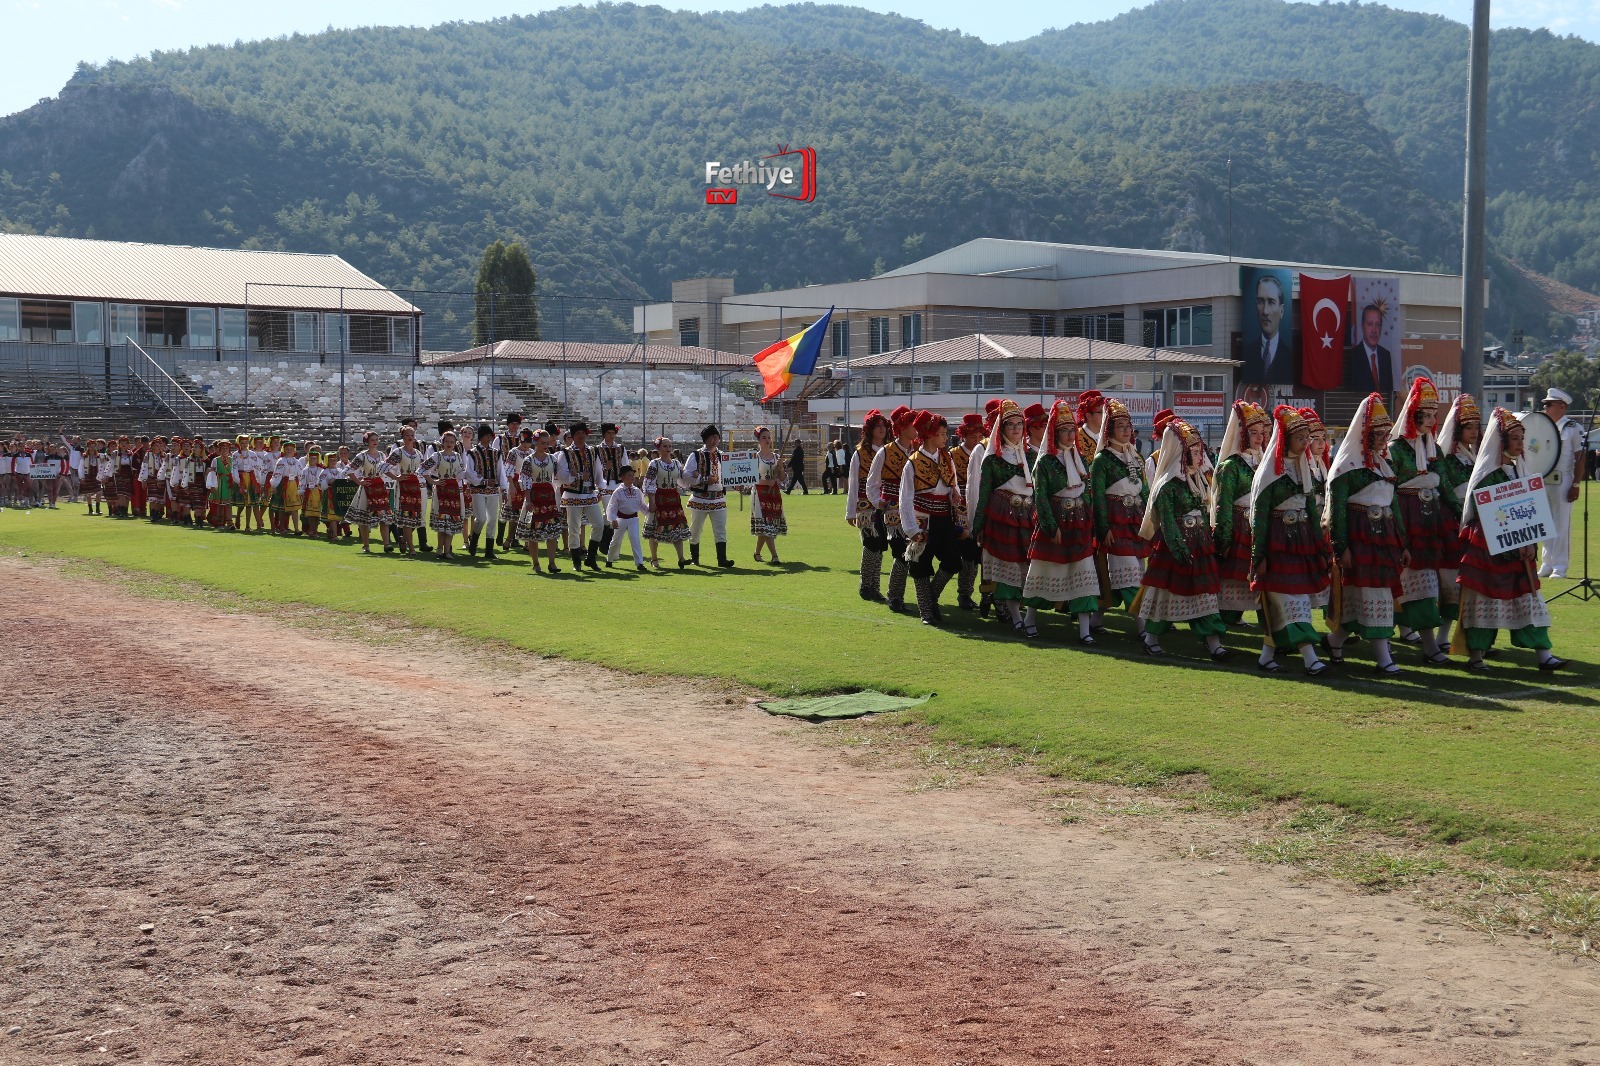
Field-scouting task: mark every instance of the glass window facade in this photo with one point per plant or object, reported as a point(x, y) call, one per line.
point(10, 321)
point(202, 327)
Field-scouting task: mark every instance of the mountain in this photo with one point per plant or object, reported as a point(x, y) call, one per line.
point(583, 133)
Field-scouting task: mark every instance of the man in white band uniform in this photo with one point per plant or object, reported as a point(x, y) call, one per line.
point(1563, 483)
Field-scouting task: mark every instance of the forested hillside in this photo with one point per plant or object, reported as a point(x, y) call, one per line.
point(583, 133)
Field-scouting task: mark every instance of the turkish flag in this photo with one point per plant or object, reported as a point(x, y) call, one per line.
point(1324, 319)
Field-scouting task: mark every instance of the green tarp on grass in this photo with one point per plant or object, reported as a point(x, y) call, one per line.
point(846, 705)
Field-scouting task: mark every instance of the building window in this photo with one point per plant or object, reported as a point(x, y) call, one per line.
point(868, 387)
point(1106, 327)
point(400, 336)
point(1070, 382)
point(45, 320)
point(960, 382)
point(901, 386)
point(86, 318)
point(877, 335)
point(10, 324)
point(1197, 382)
point(333, 327)
point(369, 334)
point(689, 332)
point(1033, 381)
point(233, 331)
point(911, 330)
point(840, 332)
point(163, 327)
point(124, 323)
point(1178, 327)
point(202, 327)
point(994, 381)
point(269, 331)
point(1041, 325)
point(928, 384)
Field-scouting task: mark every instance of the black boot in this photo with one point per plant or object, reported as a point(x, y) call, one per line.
point(722, 555)
point(577, 560)
point(940, 580)
point(694, 554)
point(488, 550)
point(871, 575)
point(897, 586)
point(927, 608)
point(965, 583)
point(605, 538)
point(500, 541)
point(422, 539)
point(472, 544)
point(594, 546)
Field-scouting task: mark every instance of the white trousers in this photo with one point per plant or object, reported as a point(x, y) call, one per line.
point(578, 516)
point(486, 511)
point(719, 524)
point(1558, 552)
point(626, 527)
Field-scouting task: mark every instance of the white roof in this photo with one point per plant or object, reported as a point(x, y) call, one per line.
point(1028, 349)
point(71, 268)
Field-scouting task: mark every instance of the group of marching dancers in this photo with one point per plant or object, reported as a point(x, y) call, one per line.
point(1057, 510)
point(511, 489)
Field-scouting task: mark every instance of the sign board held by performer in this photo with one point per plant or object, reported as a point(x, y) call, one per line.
point(1515, 514)
point(739, 471)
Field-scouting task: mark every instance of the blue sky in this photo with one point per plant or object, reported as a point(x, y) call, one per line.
point(46, 39)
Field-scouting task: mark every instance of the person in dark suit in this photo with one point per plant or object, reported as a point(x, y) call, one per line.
point(1368, 366)
point(1267, 355)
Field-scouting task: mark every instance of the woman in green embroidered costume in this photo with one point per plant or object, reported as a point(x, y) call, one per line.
point(1003, 518)
point(1413, 453)
point(1181, 582)
point(1061, 569)
point(1458, 450)
point(1237, 461)
point(1290, 561)
point(1119, 492)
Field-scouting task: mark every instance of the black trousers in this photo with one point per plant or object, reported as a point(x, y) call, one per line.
point(797, 476)
point(943, 546)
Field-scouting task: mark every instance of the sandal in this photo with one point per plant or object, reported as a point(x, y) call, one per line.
point(1552, 663)
point(1317, 669)
point(1391, 668)
point(1220, 654)
point(1151, 648)
point(1437, 660)
point(1088, 641)
point(1269, 667)
point(1477, 666)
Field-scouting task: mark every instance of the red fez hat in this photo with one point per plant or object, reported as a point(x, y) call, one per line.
point(970, 424)
point(1035, 414)
point(901, 417)
point(991, 406)
point(1159, 422)
point(929, 423)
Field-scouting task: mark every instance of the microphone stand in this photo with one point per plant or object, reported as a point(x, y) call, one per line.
point(1585, 589)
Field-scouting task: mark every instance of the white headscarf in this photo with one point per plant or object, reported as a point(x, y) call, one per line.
point(1011, 453)
point(1421, 393)
point(1450, 431)
point(1235, 441)
point(1267, 471)
point(1352, 449)
point(1491, 457)
point(1169, 468)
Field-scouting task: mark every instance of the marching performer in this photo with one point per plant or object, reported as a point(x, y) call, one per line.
point(511, 460)
point(1368, 534)
point(971, 432)
point(1090, 415)
point(91, 476)
point(1004, 515)
point(1061, 568)
point(859, 510)
point(540, 520)
point(1036, 418)
point(975, 457)
point(931, 509)
point(1499, 591)
point(1319, 456)
point(223, 483)
point(767, 523)
point(1458, 450)
point(665, 520)
point(1237, 461)
point(702, 476)
point(610, 457)
point(286, 489)
point(577, 474)
point(485, 481)
point(1181, 582)
point(342, 488)
point(1119, 493)
point(883, 489)
point(1158, 426)
point(1413, 454)
point(370, 505)
point(449, 473)
point(314, 481)
point(622, 516)
point(154, 477)
point(1290, 559)
point(405, 467)
point(122, 476)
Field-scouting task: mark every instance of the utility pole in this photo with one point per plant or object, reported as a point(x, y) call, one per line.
point(1473, 264)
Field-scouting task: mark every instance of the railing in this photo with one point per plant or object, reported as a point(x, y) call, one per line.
point(164, 389)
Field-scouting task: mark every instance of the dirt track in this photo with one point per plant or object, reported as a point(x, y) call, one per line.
point(415, 852)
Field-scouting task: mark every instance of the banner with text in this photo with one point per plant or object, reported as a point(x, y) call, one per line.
point(1515, 514)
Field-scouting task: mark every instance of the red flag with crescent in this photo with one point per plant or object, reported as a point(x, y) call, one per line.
point(1324, 320)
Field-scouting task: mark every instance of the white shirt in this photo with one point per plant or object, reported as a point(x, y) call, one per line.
point(908, 491)
point(624, 498)
point(1572, 435)
point(854, 493)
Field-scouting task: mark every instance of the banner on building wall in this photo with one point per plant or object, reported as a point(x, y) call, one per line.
point(1324, 325)
point(1266, 327)
point(1439, 360)
point(1372, 361)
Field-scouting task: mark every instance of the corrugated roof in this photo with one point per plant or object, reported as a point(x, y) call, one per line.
point(1025, 349)
point(551, 353)
point(69, 267)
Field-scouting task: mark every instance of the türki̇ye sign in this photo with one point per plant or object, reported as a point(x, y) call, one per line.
point(1515, 514)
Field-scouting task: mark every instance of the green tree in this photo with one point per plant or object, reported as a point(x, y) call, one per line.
point(504, 304)
point(1573, 373)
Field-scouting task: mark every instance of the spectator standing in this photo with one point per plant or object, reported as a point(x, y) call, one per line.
point(833, 467)
point(797, 470)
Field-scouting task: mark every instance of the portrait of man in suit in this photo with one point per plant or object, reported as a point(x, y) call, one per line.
point(1369, 366)
point(1268, 350)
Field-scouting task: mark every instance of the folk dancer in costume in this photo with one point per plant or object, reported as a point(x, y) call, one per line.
point(1562, 485)
point(224, 486)
point(975, 457)
point(859, 510)
point(767, 523)
point(610, 458)
point(1458, 450)
point(577, 474)
point(1290, 558)
point(1090, 416)
point(137, 495)
point(154, 478)
point(1061, 564)
point(342, 487)
point(268, 463)
point(404, 466)
point(106, 470)
point(1368, 534)
point(485, 480)
point(883, 489)
point(370, 505)
point(1003, 519)
point(449, 474)
point(1499, 591)
point(123, 475)
point(623, 508)
point(314, 482)
point(666, 520)
point(1237, 462)
point(1037, 418)
point(1319, 457)
point(1181, 582)
point(702, 476)
point(511, 461)
point(177, 479)
point(931, 515)
point(260, 467)
point(1158, 426)
point(971, 432)
point(1118, 493)
point(540, 521)
point(91, 476)
point(1414, 454)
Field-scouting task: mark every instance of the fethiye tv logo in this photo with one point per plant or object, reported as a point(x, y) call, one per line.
point(787, 174)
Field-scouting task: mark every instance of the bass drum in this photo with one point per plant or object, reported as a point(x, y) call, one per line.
point(1541, 442)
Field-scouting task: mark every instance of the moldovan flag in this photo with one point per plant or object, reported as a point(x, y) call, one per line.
point(1324, 321)
point(792, 357)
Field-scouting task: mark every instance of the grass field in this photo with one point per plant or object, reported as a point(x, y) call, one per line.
point(1507, 764)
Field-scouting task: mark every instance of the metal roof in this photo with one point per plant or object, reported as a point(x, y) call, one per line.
point(71, 268)
point(1026, 349)
point(586, 353)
